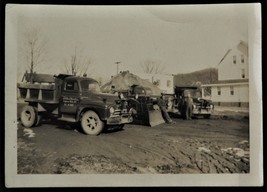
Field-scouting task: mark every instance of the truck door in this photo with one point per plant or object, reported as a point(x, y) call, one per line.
point(70, 97)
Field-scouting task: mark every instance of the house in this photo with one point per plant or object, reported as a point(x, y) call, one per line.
point(164, 82)
point(232, 87)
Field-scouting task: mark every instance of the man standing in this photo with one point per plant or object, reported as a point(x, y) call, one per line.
point(162, 105)
point(188, 104)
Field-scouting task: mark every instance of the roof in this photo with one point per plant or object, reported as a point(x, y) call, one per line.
point(232, 81)
point(39, 78)
point(63, 76)
point(242, 46)
point(80, 78)
point(185, 87)
point(73, 77)
point(124, 80)
point(227, 52)
point(228, 83)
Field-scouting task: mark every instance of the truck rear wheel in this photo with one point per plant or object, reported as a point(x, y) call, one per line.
point(120, 127)
point(28, 116)
point(38, 119)
point(207, 116)
point(91, 123)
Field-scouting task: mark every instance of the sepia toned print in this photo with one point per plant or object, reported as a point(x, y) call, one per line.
point(147, 94)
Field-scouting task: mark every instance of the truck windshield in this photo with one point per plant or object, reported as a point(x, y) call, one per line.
point(192, 93)
point(142, 91)
point(88, 85)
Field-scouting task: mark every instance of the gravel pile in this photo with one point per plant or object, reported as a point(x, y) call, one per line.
point(124, 80)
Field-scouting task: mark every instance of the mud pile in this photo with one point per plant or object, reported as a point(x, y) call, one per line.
point(124, 80)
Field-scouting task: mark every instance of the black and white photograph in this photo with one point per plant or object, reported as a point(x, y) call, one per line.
point(147, 95)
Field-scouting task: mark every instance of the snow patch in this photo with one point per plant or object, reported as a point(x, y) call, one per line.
point(29, 133)
point(204, 149)
point(237, 151)
point(243, 142)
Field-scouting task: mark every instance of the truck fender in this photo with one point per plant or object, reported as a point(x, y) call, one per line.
point(81, 110)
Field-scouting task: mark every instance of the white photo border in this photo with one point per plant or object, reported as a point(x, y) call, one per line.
point(254, 178)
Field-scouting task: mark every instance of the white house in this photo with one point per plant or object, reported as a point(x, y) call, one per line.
point(164, 82)
point(232, 88)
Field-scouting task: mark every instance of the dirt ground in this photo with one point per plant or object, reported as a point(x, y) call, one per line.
point(216, 145)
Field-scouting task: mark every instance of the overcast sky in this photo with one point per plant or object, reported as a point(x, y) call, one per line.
point(181, 38)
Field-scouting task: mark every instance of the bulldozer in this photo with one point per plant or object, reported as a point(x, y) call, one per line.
point(147, 112)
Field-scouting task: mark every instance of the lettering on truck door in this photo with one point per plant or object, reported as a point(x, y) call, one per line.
point(70, 97)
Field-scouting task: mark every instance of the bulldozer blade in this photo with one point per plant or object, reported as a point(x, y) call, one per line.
point(155, 118)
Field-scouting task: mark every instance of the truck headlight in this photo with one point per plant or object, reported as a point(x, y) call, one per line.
point(111, 110)
point(194, 106)
point(211, 106)
point(121, 96)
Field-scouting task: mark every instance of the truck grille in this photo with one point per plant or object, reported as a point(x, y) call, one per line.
point(122, 108)
point(117, 112)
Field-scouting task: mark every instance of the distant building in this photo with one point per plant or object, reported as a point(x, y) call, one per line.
point(232, 87)
point(164, 82)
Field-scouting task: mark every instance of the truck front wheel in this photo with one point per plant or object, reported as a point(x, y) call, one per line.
point(28, 116)
point(91, 123)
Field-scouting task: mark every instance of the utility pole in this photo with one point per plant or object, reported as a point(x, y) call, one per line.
point(117, 63)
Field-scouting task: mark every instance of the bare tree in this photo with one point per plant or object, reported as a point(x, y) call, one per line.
point(34, 49)
point(150, 66)
point(78, 64)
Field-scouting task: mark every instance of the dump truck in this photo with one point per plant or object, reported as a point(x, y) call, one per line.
point(187, 102)
point(146, 110)
point(71, 98)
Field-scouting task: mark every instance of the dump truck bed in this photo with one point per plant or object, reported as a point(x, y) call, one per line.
point(42, 93)
point(41, 88)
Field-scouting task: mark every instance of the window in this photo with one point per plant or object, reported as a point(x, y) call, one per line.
point(242, 59)
point(234, 59)
point(157, 82)
point(243, 73)
point(88, 85)
point(71, 86)
point(232, 90)
point(168, 83)
point(219, 90)
point(207, 91)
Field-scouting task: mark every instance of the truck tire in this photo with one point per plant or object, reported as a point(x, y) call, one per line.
point(28, 116)
point(91, 123)
point(120, 127)
point(207, 116)
point(38, 119)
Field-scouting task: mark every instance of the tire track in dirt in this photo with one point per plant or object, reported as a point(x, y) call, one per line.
point(213, 160)
point(187, 148)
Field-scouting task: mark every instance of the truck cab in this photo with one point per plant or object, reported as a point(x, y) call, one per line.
point(190, 103)
point(187, 101)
